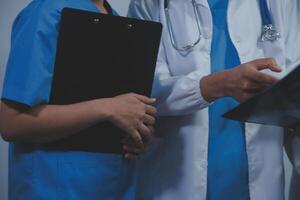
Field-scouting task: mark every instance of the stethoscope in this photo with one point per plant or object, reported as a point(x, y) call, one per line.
point(269, 32)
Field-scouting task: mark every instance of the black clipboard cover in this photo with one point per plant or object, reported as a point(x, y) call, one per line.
point(278, 105)
point(100, 56)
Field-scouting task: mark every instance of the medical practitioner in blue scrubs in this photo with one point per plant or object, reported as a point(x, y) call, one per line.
point(27, 121)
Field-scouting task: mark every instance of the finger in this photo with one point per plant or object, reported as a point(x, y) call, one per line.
point(128, 142)
point(134, 150)
point(149, 120)
point(127, 139)
point(145, 131)
point(266, 63)
point(144, 99)
point(256, 87)
point(130, 156)
point(263, 78)
point(149, 138)
point(152, 137)
point(259, 78)
point(275, 69)
point(147, 134)
point(137, 138)
point(151, 110)
point(131, 143)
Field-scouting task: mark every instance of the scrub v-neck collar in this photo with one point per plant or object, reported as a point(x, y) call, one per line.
point(96, 9)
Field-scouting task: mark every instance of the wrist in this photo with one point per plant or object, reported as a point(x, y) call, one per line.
point(213, 86)
point(104, 109)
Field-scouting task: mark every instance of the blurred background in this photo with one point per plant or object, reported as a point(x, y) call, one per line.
point(9, 9)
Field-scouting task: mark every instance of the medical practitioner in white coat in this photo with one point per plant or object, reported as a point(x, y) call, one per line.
point(214, 54)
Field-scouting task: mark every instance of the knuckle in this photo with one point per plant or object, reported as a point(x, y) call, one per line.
point(244, 85)
point(248, 70)
point(154, 109)
point(139, 108)
point(271, 61)
point(247, 66)
point(143, 116)
point(146, 107)
point(136, 124)
point(245, 72)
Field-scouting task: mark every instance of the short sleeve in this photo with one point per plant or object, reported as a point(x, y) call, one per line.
point(31, 60)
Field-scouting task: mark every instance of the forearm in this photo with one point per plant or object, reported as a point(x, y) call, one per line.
point(178, 95)
point(47, 123)
point(213, 86)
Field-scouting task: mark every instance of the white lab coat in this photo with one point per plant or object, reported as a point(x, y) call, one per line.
point(175, 168)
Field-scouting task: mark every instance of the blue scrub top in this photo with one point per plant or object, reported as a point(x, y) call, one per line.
point(34, 173)
point(227, 157)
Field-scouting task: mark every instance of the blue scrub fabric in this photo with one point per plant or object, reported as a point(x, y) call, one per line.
point(227, 157)
point(37, 174)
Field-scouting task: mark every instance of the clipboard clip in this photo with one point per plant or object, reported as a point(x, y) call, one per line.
point(96, 20)
point(129, 26)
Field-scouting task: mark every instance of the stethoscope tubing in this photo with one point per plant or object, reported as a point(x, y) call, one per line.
point(171, 30)
point(265, 13)
point(269, 33)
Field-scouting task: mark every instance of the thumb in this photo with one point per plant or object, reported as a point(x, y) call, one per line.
point(275, 68)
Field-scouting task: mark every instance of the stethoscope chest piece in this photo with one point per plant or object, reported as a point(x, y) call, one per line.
point(270, 33)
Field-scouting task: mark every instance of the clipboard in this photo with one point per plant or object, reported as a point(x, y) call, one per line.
point(278, 105)
point(101, 56)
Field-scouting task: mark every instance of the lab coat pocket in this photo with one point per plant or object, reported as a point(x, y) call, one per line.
point(89, 176)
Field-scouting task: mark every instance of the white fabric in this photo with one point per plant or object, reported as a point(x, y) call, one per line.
point(175, 168)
